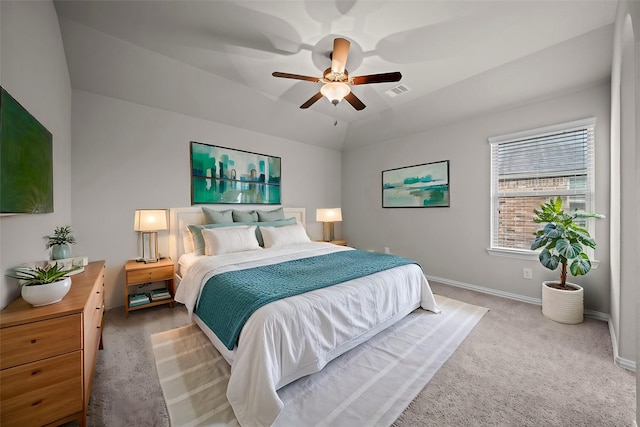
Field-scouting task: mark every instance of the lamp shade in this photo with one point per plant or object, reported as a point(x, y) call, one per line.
point(329, 215)
point(150, 220)
point(335, 91)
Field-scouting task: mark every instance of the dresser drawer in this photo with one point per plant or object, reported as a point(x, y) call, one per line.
point(33, 341)
point(94, 309)
point(41, 392)
point(152, 275)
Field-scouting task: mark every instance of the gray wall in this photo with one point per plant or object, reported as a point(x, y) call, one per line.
point(127, 156)
point(625, 183)
point(451, 243)
point(34, 71)
point(625, 162)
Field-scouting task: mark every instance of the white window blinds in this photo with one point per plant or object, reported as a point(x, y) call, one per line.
point(529, 168)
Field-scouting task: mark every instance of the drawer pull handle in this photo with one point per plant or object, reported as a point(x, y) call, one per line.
point(36, 372)
point(33, 341)
point(36, 403)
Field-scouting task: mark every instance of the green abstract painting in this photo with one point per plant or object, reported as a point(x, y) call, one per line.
point(26, 160)
point(225, 175)
point(420, 186)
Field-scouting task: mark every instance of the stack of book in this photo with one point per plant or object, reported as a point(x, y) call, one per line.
point(138, 299)
point(160, 294)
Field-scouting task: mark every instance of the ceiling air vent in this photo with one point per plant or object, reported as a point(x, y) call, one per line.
point(397, 90)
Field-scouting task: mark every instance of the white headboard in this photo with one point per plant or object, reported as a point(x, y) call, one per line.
point(179, 218)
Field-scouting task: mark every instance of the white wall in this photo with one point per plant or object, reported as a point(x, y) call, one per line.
point(126, 156)
point(451, 243)
point(34, 71)
point(625, 183)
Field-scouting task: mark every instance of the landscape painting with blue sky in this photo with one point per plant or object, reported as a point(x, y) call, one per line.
point(425, 185)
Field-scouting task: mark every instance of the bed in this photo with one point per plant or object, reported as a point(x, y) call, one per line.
point(288, 338)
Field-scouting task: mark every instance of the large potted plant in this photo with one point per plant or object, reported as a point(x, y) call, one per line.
point(563, 241)
point(43, 285)
point(59, 242)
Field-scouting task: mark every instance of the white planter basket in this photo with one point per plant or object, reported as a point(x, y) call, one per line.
point(563, 306)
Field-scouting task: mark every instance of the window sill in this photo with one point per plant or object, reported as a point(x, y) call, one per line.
point(513, 253)
point(525, 255)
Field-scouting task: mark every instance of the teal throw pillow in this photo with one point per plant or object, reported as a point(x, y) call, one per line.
point(212, 216)
point(274, 215)
point(245, 216)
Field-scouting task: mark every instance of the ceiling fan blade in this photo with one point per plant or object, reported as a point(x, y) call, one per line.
point(339, 55)
point(295, 76)
point(311, 100)
point(377, 78)
point(355, 101)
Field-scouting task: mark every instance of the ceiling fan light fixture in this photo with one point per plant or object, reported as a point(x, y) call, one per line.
point(335, 91)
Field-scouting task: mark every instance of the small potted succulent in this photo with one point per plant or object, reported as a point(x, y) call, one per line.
point(59, 242)
point(43, 285)
point(563, 242)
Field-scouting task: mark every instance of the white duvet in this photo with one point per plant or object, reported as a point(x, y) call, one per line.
point(297, 336)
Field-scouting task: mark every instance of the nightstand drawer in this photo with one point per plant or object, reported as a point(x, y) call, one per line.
point(33, 341)
point(150, 275)
point(42, 392)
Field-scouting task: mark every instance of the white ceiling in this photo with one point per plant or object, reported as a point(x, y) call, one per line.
point(214, 59)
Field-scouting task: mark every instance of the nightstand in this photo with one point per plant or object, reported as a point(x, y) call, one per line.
point(139, 273)
point(336, 242)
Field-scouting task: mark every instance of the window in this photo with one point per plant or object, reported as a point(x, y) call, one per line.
point(528, 168)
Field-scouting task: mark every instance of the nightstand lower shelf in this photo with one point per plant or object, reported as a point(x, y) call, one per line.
point(152, 304)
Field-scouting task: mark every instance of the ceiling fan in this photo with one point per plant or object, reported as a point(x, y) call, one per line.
point(337, 83)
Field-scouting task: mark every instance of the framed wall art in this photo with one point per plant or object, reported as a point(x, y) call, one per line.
point(226, 175)
point(26, 160)
point(419, 186)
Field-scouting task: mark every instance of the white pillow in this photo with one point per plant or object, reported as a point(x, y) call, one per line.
point(187, 241)
point(218, 241)
point(282, 236)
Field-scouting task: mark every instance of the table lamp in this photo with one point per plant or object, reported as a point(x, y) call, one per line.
point(148, 222)
point(327, 217)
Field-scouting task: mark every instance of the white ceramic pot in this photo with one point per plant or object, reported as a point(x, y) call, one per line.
point(563, 306)
point(38, 295)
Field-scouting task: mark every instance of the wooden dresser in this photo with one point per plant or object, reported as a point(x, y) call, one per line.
point(48, 354)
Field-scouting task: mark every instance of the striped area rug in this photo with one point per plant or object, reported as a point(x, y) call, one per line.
point(370, 385)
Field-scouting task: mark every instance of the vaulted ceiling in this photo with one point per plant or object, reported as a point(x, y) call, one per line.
point(214, 59)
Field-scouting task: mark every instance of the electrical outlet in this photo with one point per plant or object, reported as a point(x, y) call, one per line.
point(386, 250)
point(527, 273)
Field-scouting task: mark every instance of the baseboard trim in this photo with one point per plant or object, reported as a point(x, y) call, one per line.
point(620, 361)
point(508, 295)
point(623, 363)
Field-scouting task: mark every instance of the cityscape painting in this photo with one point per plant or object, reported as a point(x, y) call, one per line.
point(420, 186)
point(225, 175)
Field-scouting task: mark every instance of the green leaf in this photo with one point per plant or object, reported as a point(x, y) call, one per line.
point(580, 266)
point(547, 260)
point(552, 231)
point(588, 215)
point(557, 205)
point(539, 242)
point(568, 249)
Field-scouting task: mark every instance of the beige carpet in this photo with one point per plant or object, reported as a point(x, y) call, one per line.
point(370, 385)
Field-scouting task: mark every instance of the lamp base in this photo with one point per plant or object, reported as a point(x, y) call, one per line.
point(149, 260)
point(327, 231)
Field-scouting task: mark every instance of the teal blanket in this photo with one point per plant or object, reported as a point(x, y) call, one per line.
point(229, 299)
